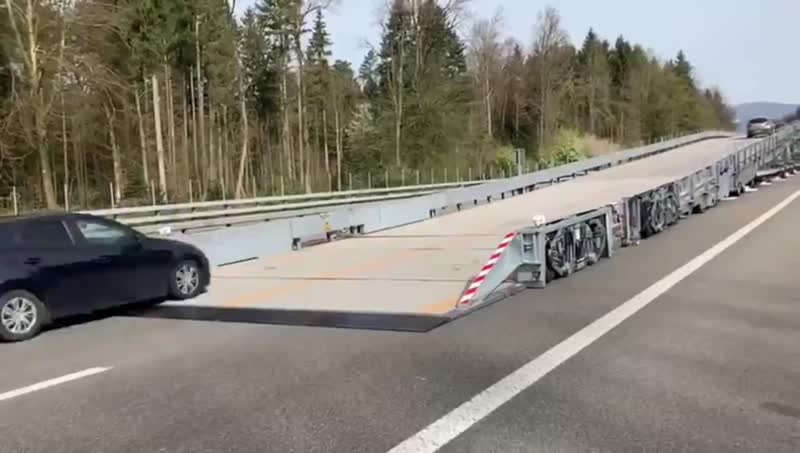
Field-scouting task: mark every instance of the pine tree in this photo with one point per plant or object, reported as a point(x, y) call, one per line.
point(516, 129)
point(257, 59)
point(618, 60)
point(274, 18)
point(368, 74)
point(683, 69)
point(319, 44)
point(319, 87)
point(594, 82)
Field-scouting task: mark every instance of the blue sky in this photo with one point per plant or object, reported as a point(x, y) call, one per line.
point(749, 48)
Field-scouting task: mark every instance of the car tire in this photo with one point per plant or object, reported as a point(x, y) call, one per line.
point(185, 280)
point(34, 315)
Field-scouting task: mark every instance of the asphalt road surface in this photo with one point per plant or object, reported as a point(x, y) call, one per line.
point(710, 365)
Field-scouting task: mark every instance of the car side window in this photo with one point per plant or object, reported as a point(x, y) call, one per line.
point(45, 233)
point(8, 235)
point(101, 233)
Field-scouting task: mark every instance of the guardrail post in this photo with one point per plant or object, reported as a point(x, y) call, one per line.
point(111, 193)
point(283, 187)
point(191, 192)
point(403, 177)
point(386, 178)
point(14, 199)
point(66, 197)
point(369, 180)
point(153, 191)
point(418, 177)
point(432, 176)
point(469, 174)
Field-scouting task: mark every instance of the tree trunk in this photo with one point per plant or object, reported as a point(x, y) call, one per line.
point(488, 91)
point(338, 148)
point(170, 109)
point(142, 137)
point(200, 95)
point(187, 174)
point(398, 122)
point(195, 156)
point(245, 131)
point(38, 103)
point(301, 126)
point(213, 172)
point(269, 164)
point(224, 154)
point(115, 157)
point(162, 171)
point(325, 143)
point(592, 125)
point(65, 149)
point(221, 166)
point(80, 167)
point(517, 116)
point(285, 144)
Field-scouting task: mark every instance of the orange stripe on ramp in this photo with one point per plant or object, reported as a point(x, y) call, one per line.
point(256, 297)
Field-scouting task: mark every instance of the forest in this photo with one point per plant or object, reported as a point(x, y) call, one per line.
point(128, 102)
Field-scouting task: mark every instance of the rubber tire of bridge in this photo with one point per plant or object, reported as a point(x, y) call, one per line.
point(42, 316)
point(174, 292)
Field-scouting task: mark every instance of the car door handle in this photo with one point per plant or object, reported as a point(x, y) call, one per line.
point(33, 260)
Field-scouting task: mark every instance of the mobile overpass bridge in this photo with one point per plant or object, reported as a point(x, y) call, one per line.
point(415, 258)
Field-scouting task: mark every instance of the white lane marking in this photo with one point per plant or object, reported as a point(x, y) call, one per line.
point(52, 382)
point(451, 425)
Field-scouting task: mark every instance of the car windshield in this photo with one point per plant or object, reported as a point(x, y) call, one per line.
point(758, 120)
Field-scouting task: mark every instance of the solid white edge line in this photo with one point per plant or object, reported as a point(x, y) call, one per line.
point(52, 382)
point(457, 421)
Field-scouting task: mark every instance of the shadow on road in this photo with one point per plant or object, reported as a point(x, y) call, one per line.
point(369, 321)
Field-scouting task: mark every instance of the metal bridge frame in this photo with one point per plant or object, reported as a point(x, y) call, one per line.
point(541, 253)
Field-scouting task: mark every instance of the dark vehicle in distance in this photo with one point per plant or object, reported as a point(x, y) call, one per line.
point(760, 127)
point(57, 265)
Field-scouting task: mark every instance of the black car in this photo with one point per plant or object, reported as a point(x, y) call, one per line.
point(56, 265)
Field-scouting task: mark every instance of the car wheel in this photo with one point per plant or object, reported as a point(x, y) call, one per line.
point(22, 316)
point(184, 281)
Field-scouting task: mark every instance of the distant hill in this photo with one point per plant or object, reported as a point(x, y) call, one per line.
point(772, 110)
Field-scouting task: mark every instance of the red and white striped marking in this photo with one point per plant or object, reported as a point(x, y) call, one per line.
point(472, 290)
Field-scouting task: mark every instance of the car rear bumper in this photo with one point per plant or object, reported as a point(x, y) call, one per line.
point(758, 132)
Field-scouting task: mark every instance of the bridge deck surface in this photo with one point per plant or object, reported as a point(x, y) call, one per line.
point(423, 268)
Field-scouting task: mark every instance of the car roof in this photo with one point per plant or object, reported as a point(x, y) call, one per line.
point(45, 215)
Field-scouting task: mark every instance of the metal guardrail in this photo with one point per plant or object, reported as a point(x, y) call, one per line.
point(224, 205)
point(212, 214)
point(241, 215)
